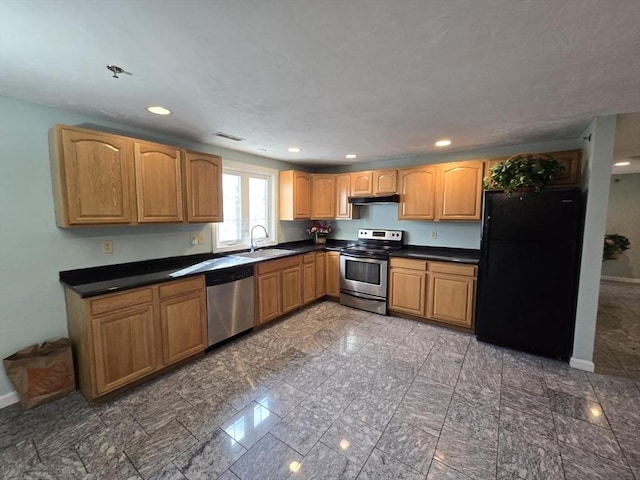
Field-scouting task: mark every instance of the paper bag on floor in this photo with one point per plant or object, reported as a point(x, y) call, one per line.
point(41, 373)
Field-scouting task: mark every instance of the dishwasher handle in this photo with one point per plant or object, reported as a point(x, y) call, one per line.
point(228, 276)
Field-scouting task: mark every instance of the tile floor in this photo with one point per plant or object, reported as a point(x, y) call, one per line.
point(336, 393)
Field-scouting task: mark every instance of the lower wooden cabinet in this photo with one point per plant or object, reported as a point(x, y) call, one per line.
point(321, 280)
point(408, 286)
point(451, 293)
point(308, 278)
point(279, 288)
point(122, 337)
point(333, 274)
point(440, 291)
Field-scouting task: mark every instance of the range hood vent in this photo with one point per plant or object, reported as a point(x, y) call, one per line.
point(395, 198)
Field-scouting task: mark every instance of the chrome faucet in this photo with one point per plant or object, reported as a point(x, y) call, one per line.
point(253, 247)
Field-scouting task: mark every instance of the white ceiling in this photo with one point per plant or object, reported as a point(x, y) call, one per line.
point(380, 78)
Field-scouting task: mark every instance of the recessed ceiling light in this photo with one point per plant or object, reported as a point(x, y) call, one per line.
point(622, 164)
point(158, 110)
point(293, 149)
point(350, 155)
point(443, 143)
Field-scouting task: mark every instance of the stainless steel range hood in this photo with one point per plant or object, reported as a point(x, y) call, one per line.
point(395, 198)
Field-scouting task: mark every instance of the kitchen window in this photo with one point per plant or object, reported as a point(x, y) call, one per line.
point(249, 199)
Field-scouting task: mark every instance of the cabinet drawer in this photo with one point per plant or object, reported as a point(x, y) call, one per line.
point(181, 286)
point(453, 269)
point(273, 265)
point(408, 263)
point(309, 257)
point(117, 301)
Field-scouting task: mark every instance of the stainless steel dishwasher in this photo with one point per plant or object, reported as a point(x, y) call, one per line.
point(230, 303)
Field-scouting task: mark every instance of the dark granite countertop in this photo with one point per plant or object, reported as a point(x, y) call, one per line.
point(460, 255)
point(89, 282)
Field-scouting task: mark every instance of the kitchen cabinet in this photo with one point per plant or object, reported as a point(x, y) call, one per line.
point(362, 183)
point(158, 183)
point(570, 176)
point(295, 195)
point(104, 179)
point(451, 293)
point(279, 287)
point(345, 210)
point(323, 196)
point(408, 286)
point(183, 313)
point(333, 274)
point(120, 338)
point(321, 268)
point(459, 191)
point(385, 182)
point(93, 177)
point(308, 278)
point(417, 193)
point(203, 187)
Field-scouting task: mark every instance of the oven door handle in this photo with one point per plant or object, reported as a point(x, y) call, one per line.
point(363, 259)
point(361, 295)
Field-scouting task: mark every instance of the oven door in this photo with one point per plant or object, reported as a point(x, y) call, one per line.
point(363, 275)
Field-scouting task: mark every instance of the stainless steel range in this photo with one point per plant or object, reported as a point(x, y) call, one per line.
point(364, 269)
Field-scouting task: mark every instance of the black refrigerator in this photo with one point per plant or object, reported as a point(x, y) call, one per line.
point(528, 271)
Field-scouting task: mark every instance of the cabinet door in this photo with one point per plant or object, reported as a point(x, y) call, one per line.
point(459, 194)
point(385, 182)
point(323, 196)
point(295, 195)
point(321, 268)
point(184, 326)
point(309, 278)
point(361, 183)
point(451, 299)
point(333, 274)
point(158, 183)
point(570, 176)
point(344, 210)
point(407, 290)
point(124, 344)
point(93, 178)
point(203, 187)
point(269, 287)
point(417, 193)
point(291, 289)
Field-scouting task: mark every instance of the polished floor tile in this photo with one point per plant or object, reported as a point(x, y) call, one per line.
point(335, 393)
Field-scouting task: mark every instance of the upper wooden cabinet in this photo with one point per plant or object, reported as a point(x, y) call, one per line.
point(385, 182)
point(459, 191)
point(362, 183)
point(158, 183)
point(295, 195)
point(417, 193)
point(345, 210)
point(570, 176)
point(374, 182)
point(203, 187)
point(93, 177)
point(323, 196)
point(104, 179)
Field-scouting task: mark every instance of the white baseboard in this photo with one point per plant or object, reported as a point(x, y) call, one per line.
point(580, 364)
point(8, 399)
point(620, 279)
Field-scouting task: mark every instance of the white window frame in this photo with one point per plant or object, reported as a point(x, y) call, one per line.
point(246, 169)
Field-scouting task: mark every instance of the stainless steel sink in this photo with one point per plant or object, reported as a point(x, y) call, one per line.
point(264, 253)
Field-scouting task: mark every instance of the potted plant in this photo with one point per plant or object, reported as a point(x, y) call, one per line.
point(319, 231)
point(524, 171)
point(614, 244)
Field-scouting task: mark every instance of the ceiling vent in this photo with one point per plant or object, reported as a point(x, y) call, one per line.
point(228, 136)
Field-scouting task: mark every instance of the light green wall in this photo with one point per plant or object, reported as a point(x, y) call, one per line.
point(33, 250)
point(623, 218)
point(597, 155)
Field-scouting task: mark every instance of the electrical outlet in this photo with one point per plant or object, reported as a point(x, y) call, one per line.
point(434, 234)
point(107, 246)
point(201, 239)
point(193, 239)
